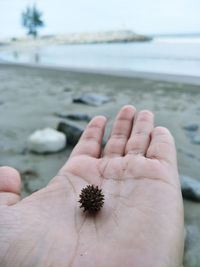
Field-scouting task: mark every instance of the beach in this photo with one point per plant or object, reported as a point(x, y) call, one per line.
point(32, 96)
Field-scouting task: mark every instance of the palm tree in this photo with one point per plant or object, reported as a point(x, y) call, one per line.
point(32, 19)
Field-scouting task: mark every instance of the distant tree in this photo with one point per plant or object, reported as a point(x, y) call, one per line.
point(32, 20)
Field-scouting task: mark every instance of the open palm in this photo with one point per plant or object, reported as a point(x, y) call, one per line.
point(141, 222)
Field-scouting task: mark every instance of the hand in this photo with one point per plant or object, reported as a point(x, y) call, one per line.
point(141, 222)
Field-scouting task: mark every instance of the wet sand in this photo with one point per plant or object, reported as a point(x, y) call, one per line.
point(31, 96)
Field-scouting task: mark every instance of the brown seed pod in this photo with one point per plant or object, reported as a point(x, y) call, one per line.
point(91, 199)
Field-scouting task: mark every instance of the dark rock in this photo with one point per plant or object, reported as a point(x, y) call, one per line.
point(191, 127)
point(192, 247)
point(92, 99)
point(27, 176)
point(190, 188)
point(72, 131)
point(24, 151)
point(191, 130)
point(190, 155)
point(75, 117)
point(196, 140)
point(67, 90)
point(79, 117)
point(190, 134)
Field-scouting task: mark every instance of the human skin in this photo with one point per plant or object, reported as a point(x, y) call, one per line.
point(141, 222)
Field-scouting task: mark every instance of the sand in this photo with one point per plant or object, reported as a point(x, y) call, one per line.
point(31, 96)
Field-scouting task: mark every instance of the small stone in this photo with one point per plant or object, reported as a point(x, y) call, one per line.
point(75, 116)
point(192, 246)
point(191, 127)
point(72, 131)
point(92, 99)
point(190, 188)
point(47, 140)
point(67, 89)
point(196, 140)
point(29, 174)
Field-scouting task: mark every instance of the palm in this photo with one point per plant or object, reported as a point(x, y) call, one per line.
point(134, 220)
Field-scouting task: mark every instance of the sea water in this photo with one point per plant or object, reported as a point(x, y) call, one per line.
point(162, 55)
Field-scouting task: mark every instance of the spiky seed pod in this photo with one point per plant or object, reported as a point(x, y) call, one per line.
point(91, 199)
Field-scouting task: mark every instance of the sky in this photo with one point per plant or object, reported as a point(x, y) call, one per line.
point(141, 16)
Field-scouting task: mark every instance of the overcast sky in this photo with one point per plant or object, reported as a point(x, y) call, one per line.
point(142, 16)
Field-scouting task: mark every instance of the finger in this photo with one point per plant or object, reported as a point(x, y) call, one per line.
point(120, 132)
point(9, 198)
point(140, 135)
point(91, 140)
point(10, 186)
point(162, 146)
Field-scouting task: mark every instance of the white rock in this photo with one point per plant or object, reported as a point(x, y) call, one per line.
point(46, 140)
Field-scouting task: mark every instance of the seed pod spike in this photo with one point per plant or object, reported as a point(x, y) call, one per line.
point(91, 199)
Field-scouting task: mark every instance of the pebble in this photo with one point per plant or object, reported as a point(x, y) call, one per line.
point(72, 131)
point(192, 247)
point(75, 116)
point(191, 127)
point(47, 140)
point(196, 140)
point(92, 99)
point(190, 188)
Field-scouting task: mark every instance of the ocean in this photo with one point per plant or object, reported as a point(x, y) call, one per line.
point(179, 56)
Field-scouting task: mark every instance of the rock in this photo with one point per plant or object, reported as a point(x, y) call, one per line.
point(192, 247)
point(190, 135)
point(92, 99)
point(191, 130)
point(67, 89)
point(79, 117)
point(27, 176)
point(72, 131)
point(75, 117)
point(190, 188)
point(196, 140)
point(191, 127)
point(46, 140)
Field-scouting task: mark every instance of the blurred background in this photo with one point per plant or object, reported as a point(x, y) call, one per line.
point(172, 26)
point(63, 62)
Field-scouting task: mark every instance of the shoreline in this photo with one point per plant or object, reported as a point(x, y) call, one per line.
point(153, 76)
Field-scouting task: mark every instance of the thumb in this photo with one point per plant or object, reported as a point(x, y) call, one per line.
point(10, 186)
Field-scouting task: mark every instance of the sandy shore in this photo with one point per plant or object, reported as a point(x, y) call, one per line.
point(175, 78)
point(31, 96)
